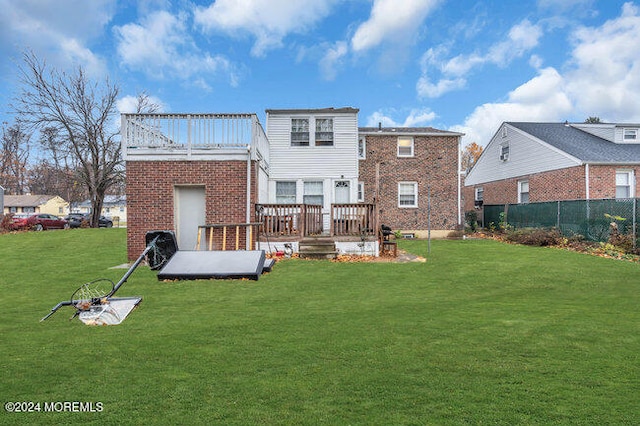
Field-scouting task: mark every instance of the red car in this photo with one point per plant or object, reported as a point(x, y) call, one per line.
point(19, 221)
point(43, 221)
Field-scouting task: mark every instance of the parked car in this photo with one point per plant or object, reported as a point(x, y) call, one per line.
point(19, 221)
point(75, 220)
point(43, 221)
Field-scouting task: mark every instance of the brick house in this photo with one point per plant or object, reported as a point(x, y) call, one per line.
point(401, 167)
point(313, 170)
point(535, 162)
point(185, 170)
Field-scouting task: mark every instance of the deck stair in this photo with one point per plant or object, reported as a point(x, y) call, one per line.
point(317, 248)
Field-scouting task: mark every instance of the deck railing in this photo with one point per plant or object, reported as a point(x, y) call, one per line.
point(232, 236)
point(353, 219)
point(299, 220)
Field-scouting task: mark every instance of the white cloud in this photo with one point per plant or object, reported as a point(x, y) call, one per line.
point(129, 104)
point(161, 47)
point(604, 77)
point(416, 118)
point(332, 59)
point(269, 21)
point(59, 32)
point(543, 98)
point(453, 72)
point(391, 20)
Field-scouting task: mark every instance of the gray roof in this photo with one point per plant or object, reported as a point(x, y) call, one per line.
point(406, 131)
point(582, 145)
point(26, 200)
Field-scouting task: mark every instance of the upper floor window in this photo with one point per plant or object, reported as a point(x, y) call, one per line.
point(504, 152)
point(324, 131)
point(362, 148)
point(624, 184)
point(299, 132)
point(360, 192)
point(407, 194)
point(630, 135)
point(479, 196)
point(504, 132)
point(405, 146)
point(523, 191)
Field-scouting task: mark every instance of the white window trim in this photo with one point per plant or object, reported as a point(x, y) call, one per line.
point(309, 132)
point(315, 130)
point(631, 176)
point(504, 131)
point(362, 140)
point(415, 193)
point(478, 190)
point(361, 192)
point(630, 140)
point(504, 156)
point(520, 192)
point(398, 147)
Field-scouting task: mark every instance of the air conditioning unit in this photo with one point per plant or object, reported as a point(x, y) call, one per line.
point(504, 157)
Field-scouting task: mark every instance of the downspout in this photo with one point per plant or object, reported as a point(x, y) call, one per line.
point(248, 213)
point(459, 181)
point(586, 178)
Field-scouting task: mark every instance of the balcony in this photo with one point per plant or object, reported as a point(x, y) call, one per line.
point(193, 137)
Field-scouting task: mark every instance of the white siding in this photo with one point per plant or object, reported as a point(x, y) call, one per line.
point(527, 155)
point(604, 131)
point(326, 163)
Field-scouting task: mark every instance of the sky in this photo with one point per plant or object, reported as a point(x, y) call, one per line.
point(459, 65)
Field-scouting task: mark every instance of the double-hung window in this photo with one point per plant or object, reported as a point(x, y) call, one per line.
point(624, 184)
point(407, 194)
point(523, 191)
point(630, 135)
point(313, 193)
point(285, 192)
point(361, 192)
point(324, 131)
point(299, 132)
point(405, 146)
point(504, 152)
point(479, 198)
point(362, 148)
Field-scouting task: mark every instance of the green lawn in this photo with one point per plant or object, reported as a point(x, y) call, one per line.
point(482, 333)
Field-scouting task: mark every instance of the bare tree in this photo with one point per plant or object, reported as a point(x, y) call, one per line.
point(80, 116)
point(14, 156)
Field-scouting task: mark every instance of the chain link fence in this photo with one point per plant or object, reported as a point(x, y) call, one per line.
point(588, 218)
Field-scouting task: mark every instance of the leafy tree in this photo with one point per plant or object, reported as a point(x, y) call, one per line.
point(592, 120)
point(77, 117)
point(470, 155)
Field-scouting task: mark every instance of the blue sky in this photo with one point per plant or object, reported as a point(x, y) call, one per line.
point(457, 65)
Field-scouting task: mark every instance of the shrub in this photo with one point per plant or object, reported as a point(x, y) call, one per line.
point(536, 237)
point(5, 223)
point(471, 220)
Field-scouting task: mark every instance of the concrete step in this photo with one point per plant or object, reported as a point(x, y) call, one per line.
point(317, 248)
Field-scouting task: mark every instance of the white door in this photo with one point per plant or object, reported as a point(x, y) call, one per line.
point(189, 214)
point(342, 192)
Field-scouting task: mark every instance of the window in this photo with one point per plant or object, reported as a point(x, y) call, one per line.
point(361, 192)
point(504, 132)
point(313, 193)
point(285, 192)
point(479, 198)
point(624, 184)
point(523, 191)
point(504, 152)
point(299, 132)
point(630, 135)
point(405, 146)
point(28, 210)
point(407, 194)
point(362, 148)
point(324, 131)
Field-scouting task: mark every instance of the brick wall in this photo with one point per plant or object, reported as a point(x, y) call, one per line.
point(562, 184)
point(434, 165)
point(150, 194)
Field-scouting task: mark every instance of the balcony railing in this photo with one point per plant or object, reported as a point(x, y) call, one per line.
point(191, 132)
point(353, 219)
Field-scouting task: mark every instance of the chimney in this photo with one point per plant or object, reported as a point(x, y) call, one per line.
point(379, 125)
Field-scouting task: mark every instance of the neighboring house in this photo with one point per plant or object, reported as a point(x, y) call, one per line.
point(411, 172)
point(51, 204)
point(114, 206)
point(534, 162)
point(314, 157)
